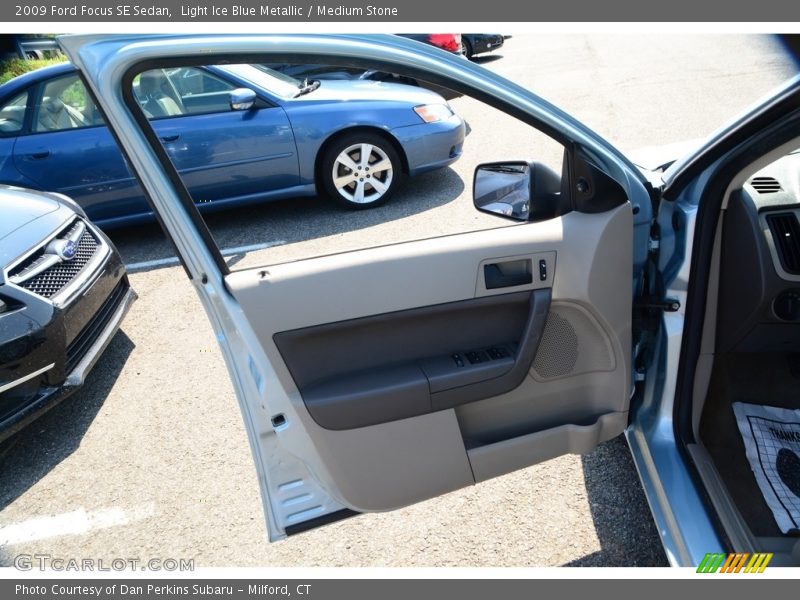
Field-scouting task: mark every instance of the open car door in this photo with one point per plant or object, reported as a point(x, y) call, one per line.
point(373, 379)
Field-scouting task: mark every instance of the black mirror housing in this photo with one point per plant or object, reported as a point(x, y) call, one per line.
point(519, 190)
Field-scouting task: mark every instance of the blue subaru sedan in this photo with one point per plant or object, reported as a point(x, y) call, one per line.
point(236, 133)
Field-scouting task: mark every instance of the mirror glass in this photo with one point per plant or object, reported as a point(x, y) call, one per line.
point(503, 189)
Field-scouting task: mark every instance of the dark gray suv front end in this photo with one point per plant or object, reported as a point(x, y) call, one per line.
point(63, 295)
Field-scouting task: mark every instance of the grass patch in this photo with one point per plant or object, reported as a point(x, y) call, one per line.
point(14, 67)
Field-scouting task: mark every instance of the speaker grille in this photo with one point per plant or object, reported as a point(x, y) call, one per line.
point(558, 350)
point(572, 343)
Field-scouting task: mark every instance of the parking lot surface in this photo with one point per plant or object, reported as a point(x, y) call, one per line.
point(150, 459)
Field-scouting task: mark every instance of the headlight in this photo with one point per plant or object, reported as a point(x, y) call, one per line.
point(430, 113)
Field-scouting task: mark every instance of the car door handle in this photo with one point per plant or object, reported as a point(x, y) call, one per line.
point(169, 138)
point(507, 274)
point(39, 155)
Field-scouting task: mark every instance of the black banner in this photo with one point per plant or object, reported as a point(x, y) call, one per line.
point(728, 587)
point(297, 11)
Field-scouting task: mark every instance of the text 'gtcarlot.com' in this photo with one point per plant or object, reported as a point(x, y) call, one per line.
point(41, 562)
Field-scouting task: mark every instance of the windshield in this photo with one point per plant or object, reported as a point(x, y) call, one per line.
point(730, 128)
point(265, 78)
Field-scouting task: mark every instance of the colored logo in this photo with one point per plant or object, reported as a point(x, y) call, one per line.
point(65, 249)
point(69, 250)
point(737, 562)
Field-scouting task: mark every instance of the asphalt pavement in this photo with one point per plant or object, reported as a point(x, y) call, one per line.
point(150, 459)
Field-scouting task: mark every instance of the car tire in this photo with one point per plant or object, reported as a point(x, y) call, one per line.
point(467, 49)
point(357, 183)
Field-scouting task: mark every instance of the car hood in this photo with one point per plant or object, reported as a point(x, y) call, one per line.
point(20, 207)
point(369, 91)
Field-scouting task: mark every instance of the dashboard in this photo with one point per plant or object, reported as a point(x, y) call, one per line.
point(759, 301)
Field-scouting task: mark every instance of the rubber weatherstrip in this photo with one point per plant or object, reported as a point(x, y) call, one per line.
point(339, 515)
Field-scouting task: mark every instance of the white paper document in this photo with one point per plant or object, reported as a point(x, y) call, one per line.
point(772, 442)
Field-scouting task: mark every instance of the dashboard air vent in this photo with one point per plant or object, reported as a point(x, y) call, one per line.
point(785, 229)
point(766, 185)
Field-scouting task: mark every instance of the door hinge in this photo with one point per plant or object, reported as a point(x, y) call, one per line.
point(665, 304)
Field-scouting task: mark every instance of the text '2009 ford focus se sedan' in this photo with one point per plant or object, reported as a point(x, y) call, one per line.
point(63, 295)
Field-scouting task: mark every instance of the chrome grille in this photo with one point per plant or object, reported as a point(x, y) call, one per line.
point(55, 278)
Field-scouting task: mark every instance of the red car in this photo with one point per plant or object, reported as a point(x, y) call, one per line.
point(446, 41)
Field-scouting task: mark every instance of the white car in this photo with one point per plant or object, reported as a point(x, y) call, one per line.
point(663, 303)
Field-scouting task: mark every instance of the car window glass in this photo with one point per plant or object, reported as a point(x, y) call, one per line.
point(295, 179)
point(183, 91)
point(65, 104)
point(12, 114)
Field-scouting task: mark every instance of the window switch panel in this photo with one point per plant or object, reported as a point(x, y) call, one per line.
point(497, 353)
point(476, 356)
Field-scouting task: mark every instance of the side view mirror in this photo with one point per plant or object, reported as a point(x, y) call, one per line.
point(242, 99)
point(503, 189)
